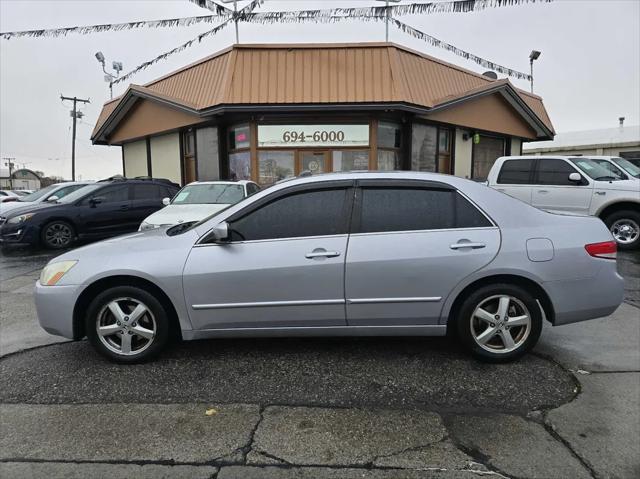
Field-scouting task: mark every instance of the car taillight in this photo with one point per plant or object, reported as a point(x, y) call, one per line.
point(606, 249)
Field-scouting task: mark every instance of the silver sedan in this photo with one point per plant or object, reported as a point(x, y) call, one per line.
point(350, 254)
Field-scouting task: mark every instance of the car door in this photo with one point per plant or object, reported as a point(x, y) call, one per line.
point(553, 191)
point(412, 242)
point(103, 213)
point(515, 178)
point(283, 265)
point(146, 199)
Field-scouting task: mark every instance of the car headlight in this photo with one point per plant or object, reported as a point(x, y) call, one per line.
point(52, 273)
point(147, 226)
point(20, 219)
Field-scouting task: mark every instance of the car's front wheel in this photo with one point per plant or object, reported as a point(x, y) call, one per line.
point(58, 234)
point(625, 228)
point(499, 323)
point(127, 324)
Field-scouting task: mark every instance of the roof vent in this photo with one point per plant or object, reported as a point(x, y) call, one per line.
point(491, 75)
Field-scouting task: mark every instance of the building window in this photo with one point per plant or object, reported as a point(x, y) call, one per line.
point(424, 147)
point(239, 153)
point(240, 166)
point(389, 144)
point(431, 148)
point(350, 160)
point(275, 166)
point(239, 137)
point(485, 153)
point(388, 160)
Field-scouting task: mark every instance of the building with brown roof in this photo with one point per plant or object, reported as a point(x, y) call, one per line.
point(266, 112)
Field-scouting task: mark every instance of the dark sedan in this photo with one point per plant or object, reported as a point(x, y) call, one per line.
point(100, 210)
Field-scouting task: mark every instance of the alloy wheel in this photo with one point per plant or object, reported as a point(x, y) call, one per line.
point(625, 230)
point(500, 324)
point(58, 234)
point(126, 326)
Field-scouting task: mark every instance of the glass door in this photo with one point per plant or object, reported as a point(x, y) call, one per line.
point(314, 161)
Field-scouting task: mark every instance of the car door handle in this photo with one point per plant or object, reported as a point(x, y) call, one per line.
point(124, 207)
point(467, 245)
point(543, 191)
point(601, 193)
point(318, 253)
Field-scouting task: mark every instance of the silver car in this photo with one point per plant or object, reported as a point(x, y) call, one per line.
point(349, 254)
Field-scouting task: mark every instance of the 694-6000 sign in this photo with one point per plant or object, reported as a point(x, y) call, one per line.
point(316, 136)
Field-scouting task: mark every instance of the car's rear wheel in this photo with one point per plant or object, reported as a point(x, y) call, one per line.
point(625, 228)
point(57, 235)
point(127, 324)
point(499, 323)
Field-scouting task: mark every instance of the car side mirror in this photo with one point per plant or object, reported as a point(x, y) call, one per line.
point(575, 177)
point(166, 201)
point(220, 232)
point(53, 198)
point(96, 201)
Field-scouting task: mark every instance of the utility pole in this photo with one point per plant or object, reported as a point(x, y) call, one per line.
point(75, 114)
point(10, 163)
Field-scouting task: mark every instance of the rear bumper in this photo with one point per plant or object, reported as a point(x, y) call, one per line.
point(589, 298)
point(54, 305)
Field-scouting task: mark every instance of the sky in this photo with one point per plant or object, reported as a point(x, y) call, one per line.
point(588, 73)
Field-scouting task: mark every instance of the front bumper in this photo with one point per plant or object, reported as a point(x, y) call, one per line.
point(22, 233)
point(588, 298)
point(54, 305)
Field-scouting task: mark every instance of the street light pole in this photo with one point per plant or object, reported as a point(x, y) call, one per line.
point(109, 77)
point(235, 17)
point(235, 10)
point(534, 55)
point(387, 13)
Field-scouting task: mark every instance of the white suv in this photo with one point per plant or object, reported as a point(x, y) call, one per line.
point(573, 185)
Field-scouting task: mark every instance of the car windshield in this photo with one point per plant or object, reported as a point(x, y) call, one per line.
point(215, 193)
point(596, 171)
point(36, 195)
point(79, 193)
point(627, 166)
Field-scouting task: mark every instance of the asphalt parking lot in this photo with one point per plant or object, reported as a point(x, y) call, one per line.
point(368, 407)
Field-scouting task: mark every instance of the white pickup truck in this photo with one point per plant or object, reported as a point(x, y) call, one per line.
point(573, 185)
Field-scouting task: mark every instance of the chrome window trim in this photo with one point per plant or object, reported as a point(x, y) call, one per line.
point(267, 304)
point(293, 238)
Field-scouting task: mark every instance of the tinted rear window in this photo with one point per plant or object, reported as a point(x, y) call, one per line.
point(516, 172)
point(413, 209)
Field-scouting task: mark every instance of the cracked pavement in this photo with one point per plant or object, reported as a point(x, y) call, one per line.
point(320, 408)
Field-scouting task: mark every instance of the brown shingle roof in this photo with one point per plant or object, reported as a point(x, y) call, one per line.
point(321, 74)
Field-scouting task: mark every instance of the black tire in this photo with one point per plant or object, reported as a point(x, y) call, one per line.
point(487, 296)
point(58, 234)
point(126, 297)
point(630, 218)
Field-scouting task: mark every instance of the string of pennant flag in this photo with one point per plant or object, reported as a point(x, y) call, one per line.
point(226, 16)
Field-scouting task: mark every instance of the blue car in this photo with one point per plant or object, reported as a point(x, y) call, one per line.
point(99, 210)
